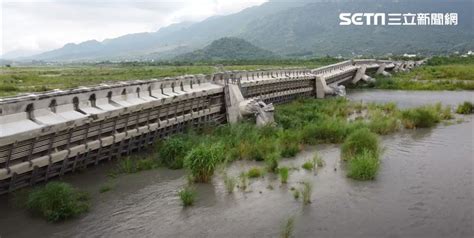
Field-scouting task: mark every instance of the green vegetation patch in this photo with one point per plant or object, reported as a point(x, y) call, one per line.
point(363, 166)
point(421, 117)
point(57, 201)
point(287, 228)
point(306, 192)
point(465, 108)
point(136, 163)
point(308, 165)
point(187, 196)
point(284, 174)
point(229, 183)
point(173, 150)
point(255, 172)
point(203, 160)
point(359, 141)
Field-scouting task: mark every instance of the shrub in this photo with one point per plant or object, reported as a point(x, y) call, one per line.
point(363, 166)
point(290, 143)
point(126, 165)
point(287, 229)
point(426, 116)
point(57, 201)
point(272, 162)
point(146, 164)
point(255, 172)
point(202, 160)
point(243, 183)
point(306, 192)
point(465, 108)
point(383, 125)
point(187, 196)
point(446, 113)
point(358, 141)
point(318, 161)
point(229, 183)
point(262, 148)
point(284, 174)
point(308, 165)
point(329, 130)
point(134, 164)
point(173, 150)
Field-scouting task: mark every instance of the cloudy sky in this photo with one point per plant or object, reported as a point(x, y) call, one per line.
point(29, 26)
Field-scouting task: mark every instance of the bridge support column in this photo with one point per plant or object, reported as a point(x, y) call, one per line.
point(237, 107)
point(322, 88)
point(396, 68)
point(360, 75)
point(381, 70)
point(233, 98)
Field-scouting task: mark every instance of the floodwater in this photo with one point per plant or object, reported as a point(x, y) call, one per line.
point(424, 189)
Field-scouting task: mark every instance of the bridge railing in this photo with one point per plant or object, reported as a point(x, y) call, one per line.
point(238, 77)
point(76, 103)
point(332, 67)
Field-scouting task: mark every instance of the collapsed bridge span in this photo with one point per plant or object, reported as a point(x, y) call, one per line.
point(49, 134)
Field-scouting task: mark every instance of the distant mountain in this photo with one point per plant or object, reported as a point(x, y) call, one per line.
point(227, 48)
point(291, 28)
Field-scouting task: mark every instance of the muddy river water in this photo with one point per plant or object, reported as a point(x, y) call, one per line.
point(424, 188)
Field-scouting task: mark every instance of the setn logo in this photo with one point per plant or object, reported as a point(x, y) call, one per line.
point(397, 19)
point(359, 19)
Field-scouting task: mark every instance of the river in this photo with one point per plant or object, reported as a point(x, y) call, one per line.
point(424, 189)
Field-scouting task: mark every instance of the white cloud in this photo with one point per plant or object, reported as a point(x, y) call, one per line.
point(29, 25)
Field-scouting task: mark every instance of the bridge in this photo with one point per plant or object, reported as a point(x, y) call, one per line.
point(50, 134)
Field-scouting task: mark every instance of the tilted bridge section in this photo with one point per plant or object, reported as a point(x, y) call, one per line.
point(49, 134)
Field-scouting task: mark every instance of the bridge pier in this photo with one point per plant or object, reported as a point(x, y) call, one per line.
point(381, 70)
point(322, 88)
point(360, 75)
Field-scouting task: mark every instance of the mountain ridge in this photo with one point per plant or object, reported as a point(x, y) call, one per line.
point(304, 28)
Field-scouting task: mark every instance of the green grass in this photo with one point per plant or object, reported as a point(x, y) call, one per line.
point(383, 124)
point(136, 163)
point(318, 161)
point(421, 117)
point(187, 196)
point(243, 181)
point(363, 166)
point(202, 160)
point(290, 143)
point(255, 172)
point(287, 228)
point(272, 162)
point(359, 141)
point(465, 108)
point(284, 174)
point(308, 165)
point(173, 150)
point(57, 201)
point(229, 183)
point(306, 192)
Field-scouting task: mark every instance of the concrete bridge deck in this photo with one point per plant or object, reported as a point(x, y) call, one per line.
point(49, 134)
